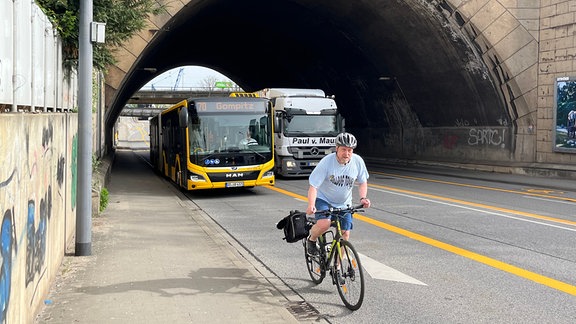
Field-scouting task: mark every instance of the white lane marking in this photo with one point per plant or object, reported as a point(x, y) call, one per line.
point(550, 200)
point(476, 209)
point(381, 271)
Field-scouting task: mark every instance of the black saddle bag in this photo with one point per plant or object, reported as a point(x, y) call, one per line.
point(295, 226)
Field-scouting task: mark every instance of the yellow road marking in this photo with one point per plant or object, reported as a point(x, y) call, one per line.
point(544, 193)
point(468, 203)
point(552, 283)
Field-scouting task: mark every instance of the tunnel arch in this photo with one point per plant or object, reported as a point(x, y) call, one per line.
point(415, 79)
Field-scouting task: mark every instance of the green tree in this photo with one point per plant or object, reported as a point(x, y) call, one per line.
point(123, 19)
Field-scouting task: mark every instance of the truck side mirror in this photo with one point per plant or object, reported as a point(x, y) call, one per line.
point(278, 124)
point(342, 121)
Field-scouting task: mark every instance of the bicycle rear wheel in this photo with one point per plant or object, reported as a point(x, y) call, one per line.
point(351, 284)
point(314, 263)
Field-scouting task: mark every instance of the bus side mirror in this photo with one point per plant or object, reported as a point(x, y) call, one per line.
point(183, 117)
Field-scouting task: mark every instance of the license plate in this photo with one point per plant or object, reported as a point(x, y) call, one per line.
point(313, 163)
point(234, 184)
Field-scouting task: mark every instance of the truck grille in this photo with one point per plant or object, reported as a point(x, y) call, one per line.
point(309, 152)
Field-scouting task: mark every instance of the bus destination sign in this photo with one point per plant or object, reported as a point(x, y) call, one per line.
point(230, 106)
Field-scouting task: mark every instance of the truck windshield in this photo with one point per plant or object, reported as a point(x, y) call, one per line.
point(311, 124)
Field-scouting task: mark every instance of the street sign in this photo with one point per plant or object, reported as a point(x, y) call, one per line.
point(223, 84)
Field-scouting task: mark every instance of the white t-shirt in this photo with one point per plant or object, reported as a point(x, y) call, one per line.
point(334, 181)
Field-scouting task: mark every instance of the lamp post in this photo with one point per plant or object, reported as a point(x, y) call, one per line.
point(84, 204)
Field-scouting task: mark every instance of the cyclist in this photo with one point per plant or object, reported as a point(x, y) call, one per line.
point(331, 184)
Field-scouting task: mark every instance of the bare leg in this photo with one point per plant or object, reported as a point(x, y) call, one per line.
point(321, 226)
point(346, 235)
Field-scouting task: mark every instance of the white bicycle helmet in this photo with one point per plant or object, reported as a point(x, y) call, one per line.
point(346, 139)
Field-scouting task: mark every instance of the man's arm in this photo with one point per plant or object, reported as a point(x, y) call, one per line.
point(312, 193)
point(363, 192)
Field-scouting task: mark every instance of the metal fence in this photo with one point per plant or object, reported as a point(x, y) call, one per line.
point(31, 73)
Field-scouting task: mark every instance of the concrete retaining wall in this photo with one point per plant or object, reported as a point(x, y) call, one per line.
point(38, 204)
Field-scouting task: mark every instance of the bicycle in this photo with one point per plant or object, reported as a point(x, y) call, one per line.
point(339, 258)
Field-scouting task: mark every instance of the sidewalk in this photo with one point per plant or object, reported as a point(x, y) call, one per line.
point(157, 258)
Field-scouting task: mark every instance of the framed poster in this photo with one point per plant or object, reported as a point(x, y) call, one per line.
point(565, 115)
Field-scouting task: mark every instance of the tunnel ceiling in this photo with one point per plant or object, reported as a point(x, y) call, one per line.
point(364, 52)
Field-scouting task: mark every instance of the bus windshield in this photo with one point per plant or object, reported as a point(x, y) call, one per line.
point(219, 136)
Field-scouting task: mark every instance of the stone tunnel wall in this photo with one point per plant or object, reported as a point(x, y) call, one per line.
point(526, 45)
point(440, 143)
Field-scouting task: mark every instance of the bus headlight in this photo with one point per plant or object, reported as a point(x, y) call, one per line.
point(268, 173)
point(196, 177)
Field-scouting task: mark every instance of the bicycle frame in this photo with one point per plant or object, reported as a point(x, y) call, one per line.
point(342, 261)
point(334, 244)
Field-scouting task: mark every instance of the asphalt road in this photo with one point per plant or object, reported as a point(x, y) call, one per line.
point(438, 247)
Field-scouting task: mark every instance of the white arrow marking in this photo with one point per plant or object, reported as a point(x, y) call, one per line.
point(379, 270)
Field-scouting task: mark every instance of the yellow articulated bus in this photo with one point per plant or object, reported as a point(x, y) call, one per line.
point(214, 142)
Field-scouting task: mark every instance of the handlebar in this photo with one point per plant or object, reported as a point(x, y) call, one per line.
point(332, 210)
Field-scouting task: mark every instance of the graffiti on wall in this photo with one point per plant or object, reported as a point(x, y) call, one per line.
point(27, 223)
point(36, 236)
point(74, 169)
point(7, 245)
point(449, 141)
point(487, 136)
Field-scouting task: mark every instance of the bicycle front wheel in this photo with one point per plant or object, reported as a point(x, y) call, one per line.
point(315, 266)
point(350, 281)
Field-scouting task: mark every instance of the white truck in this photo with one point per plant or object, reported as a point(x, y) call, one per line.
point(306, 123)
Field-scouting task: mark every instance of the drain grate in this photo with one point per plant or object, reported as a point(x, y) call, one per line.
point(303, 311)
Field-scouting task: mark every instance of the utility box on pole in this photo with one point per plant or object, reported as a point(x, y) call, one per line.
point(98, 32)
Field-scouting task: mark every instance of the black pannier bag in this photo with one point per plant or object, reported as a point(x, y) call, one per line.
point(295, 226)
